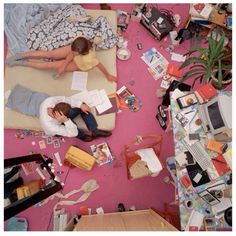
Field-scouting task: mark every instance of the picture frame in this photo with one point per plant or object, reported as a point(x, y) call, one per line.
point(187, 100)
point(208, 197)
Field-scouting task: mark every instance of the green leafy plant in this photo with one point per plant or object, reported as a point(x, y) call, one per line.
point(212, 60)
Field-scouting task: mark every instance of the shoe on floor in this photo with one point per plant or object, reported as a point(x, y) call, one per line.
point(121, 207)
point(101, 133)
point(161, 121)
point(86, 138)
point(162, 112)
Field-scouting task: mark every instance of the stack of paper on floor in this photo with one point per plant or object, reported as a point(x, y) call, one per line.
point(42, 81)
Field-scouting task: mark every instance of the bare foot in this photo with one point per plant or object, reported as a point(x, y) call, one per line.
point(112, 78)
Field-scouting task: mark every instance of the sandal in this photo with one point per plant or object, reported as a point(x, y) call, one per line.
point(162, 112)
point(161, 121)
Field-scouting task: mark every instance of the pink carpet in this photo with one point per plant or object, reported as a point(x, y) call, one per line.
point(112, 179)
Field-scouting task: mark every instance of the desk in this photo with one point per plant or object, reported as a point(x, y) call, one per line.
point(198, 204)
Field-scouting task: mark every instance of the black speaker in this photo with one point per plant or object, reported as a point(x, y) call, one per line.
point(157, 23)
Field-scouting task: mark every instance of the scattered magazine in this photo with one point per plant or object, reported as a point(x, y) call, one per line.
point(156, 62)
point(102, 153)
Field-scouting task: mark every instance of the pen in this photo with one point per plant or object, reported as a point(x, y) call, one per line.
point(151, 59)
point(219, 161)
point(188, 112)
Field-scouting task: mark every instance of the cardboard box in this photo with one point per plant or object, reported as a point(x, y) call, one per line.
point(79, 158)
point(29, 189)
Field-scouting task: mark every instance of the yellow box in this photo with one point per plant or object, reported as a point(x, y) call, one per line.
point(79, 158)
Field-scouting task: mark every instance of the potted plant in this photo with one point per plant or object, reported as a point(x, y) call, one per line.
point(214, 63)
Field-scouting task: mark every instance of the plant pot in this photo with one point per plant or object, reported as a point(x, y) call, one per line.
point(227, 80)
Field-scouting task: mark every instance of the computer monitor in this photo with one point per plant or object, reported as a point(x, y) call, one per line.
point(216, 115)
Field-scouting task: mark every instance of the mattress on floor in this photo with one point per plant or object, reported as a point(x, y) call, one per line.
point(42, 81)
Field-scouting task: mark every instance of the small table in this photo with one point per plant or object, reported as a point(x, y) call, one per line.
point(189, 199)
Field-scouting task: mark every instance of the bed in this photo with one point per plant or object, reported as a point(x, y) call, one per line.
point(42, 81)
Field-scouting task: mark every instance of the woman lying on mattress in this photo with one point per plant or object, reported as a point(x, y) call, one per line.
point(80, 55)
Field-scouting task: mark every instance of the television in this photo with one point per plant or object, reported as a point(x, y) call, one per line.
point(216, 114)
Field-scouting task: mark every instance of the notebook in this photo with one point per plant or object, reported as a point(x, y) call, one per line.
point(221, 165)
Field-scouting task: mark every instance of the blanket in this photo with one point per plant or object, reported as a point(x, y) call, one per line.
point(20, 18)
point(65, 24)
point(25, 101)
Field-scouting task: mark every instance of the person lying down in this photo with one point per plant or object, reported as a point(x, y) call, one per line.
point(79, 56)
point(56, 113)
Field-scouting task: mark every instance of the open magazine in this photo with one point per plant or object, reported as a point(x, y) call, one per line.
point(156, 62)
point(102, 153)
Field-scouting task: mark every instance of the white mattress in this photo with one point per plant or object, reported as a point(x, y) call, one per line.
point(42, 81)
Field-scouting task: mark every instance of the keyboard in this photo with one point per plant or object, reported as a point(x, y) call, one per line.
point(199, 154)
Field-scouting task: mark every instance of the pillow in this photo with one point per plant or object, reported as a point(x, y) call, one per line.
point(78, 19)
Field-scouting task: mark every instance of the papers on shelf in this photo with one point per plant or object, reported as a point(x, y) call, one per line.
point(79, 80)
point(156, 62)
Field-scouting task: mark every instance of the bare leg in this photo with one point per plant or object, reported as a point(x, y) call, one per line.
point(57, 54)
point(55, 65)
point(109, 77)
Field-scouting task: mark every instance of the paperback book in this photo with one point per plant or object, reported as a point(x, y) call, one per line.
point(102, 153)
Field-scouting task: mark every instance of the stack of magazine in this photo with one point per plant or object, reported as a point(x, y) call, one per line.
point(102, 153)
point(156, 62)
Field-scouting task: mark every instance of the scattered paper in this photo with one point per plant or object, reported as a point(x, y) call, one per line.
point(165, 84)
point(176, 94)
point(221, 206)
point(100, 211)
point(195, 220)
point(206, 11)
point(160, 20)
point(197, 178)
point(82, 97)
point(177, 57)
point(79, 80)
point(42, 144)
point(181, 159)
point(173, 35)
point(106, 104)
point(95, 98)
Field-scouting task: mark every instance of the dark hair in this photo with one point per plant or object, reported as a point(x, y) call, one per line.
point(81, 45)
point(62, 107)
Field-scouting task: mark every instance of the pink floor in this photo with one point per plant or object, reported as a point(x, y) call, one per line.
point(112, 179)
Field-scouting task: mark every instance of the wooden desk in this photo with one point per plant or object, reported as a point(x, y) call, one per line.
point(198, 204)
point(141, 220)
